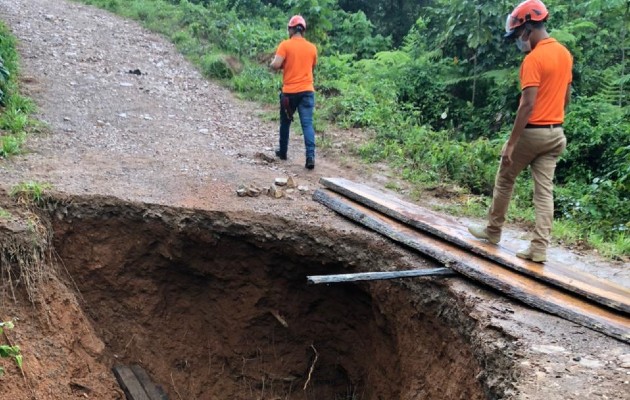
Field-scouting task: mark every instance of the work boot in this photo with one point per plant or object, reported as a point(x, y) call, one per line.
point(482, 233)
point(529, 254)
point(310, 163)
point(282, 156)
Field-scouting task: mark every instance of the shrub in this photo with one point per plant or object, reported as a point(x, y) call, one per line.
point(596, 134)
point(216, 66)
point(599, 206)
point(256, 83)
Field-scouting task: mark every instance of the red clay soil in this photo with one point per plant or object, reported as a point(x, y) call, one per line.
point(213, 308)
point(154, 260)
point(224, 313)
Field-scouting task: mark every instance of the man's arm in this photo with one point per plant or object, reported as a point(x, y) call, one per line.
point(567, 97)
point(528, 99)
point(276, 63)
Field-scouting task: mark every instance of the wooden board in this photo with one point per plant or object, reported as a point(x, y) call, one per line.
point(555, 273)
point(512, 283)
point(129, 383)
point(136, 384)
point(155, 392)
point(375, 276)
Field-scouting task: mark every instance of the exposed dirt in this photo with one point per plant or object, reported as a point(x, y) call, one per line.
point(176, 273)
point(240, 318)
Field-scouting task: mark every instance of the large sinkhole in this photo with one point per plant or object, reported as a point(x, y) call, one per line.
point(216, 306)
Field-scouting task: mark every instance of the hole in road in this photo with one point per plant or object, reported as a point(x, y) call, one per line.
point(218, 309)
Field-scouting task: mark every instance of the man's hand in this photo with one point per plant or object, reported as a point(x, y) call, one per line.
point(506, 154)
point(276, 63)
point(528, 99)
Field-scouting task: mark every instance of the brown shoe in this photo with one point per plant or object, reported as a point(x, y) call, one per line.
point(482, 233)
point(535, 256)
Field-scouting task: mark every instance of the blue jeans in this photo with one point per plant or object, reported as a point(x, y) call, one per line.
point(304, 103)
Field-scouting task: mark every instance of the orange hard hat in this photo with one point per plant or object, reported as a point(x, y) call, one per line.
point(529, 10)
point(297, 20)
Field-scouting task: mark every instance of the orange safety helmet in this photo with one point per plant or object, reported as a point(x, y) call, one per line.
point(529, 10)
point(297, 20)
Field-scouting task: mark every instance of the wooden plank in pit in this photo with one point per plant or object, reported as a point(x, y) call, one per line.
point(136, 384)
point(155, 392)
point(584, 284)
point(522, 287)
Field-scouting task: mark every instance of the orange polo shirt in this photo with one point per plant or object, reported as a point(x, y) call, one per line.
point(548, 67)
point(300, 57)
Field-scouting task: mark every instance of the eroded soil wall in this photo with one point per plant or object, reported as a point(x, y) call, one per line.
point(216, 306)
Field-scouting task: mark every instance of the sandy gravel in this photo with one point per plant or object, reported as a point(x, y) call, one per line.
point(166, 136)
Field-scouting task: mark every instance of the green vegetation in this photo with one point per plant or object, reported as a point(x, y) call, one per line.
point(30, 192)
point(4, 214)
point(14, 109)
point(437, 84)
point(8, 351)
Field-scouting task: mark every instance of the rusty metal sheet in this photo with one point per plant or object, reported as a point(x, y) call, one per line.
point(553, 272)
point(514, 284)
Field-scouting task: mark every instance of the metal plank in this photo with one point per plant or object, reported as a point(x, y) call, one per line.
point(374, 276)
point(129, 383)
point(555, 273)
point(514, 284)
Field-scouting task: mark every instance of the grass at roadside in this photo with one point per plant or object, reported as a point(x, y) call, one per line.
point(15, 125)
point(15, 109)
point(30, 192)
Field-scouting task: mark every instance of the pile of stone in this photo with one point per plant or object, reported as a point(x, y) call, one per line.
point(282, 187)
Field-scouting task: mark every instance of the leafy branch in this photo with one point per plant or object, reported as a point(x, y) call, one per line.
point(7, 350)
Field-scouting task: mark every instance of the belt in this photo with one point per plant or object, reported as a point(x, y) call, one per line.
point(549, 126)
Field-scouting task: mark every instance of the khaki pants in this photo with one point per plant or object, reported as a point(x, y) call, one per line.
point(539, 148)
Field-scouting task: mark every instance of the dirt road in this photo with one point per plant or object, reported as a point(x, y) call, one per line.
point(169, 137)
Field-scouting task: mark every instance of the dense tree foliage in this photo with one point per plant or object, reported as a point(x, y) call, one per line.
point(435, 80)
point(392, 17)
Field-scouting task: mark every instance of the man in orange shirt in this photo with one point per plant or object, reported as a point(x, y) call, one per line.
point(537, 137)
point(297, 58)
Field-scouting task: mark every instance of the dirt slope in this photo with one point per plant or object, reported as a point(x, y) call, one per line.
point(170, 137)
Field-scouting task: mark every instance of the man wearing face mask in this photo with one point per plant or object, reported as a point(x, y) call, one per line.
point(537, 137)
